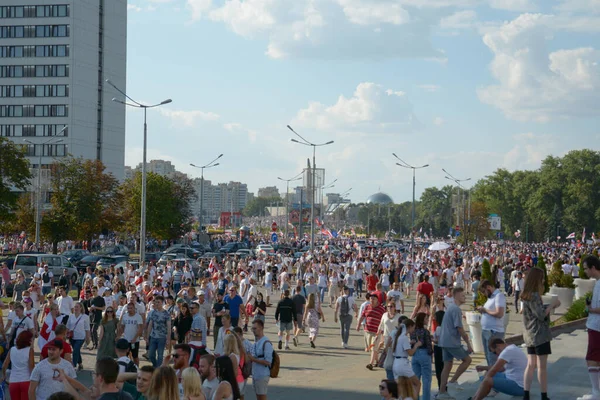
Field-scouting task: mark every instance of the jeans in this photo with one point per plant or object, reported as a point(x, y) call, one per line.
point(504, 385)
point(157, 346)
point(177, 287)
point(506, 285)
point(322, 293)
point(386, 288)
point(486, 336)
point(95, 327)
point(77, 344)
point(46, 290)
point(345, 323)
point(389, 374)
point(351, 291)
point(360, 287)
point(517, 296)
point(421, 365)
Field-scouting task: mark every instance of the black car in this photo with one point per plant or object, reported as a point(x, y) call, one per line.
point(75, 255)
point(116, 250)
point(88, 261)
point(149, 257)
point(188, 252)
point(209, 256)
point(232, 247)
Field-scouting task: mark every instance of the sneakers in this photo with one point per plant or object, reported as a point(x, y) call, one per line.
point(287, 347)
point(454, 386)
point(589, 397)
point(345, 345)
point(444, 396)
point(280, 345)
point(492, 393)
point(295, 342)
point(312, 344)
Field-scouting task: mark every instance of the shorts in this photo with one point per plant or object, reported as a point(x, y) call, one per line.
point(451, 353)
point(299, 323)
point(248, 309)
point(541, 350)
point(286, 326)
point(260, 386)
point(593, 350)
point(504, 385)
point(370, 339)
point(135, 349)
point(402, 367)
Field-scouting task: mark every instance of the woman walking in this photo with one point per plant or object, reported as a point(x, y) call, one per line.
point(182, 323)
point(420, 306)
point(421, 361)
point(537, 335)
point(21, 357)
point(389, 323)
point(107, 335)
point(401, 350)
point(312, 314)
point(79, 331)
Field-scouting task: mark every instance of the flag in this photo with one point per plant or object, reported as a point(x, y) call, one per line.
point(334, 234)
point(583, 236)
point(594, 237)
point(326, 232)
point(319, 223)
point(393, 232)
point(421, 230)
point(353, 232)
point(571, 236)
point(426, 237)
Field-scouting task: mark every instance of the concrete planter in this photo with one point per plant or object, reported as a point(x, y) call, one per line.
point(474, 322)
point(565, 296)
point(584, 286)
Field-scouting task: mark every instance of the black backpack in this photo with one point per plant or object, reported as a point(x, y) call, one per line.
point(345, 307)
point(129, 367)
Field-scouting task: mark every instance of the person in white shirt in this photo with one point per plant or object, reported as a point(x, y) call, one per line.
point(492, 318)
point(345, 306)
point(20, 322)
point(78, 326)
point(397, 295)
point(506, 375)
point(518, 285)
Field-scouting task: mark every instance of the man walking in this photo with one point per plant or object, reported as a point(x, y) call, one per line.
point(591, 266)
point(219, 309)
point(43, 382)
point(451, 333)
point(261, 357)
point(236, 305)
point(492, 318)
point(285, 315)
point(344, 306)
point(299, 303)
point(131, 327)
point(158, 332)
point(372, 315)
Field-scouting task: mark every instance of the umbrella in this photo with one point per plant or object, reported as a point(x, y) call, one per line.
point(439, 246)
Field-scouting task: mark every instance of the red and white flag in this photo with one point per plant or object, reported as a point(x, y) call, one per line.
point(571, 236)
point(583, 236)
point(353, 232)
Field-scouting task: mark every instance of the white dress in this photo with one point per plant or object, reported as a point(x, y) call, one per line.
point(402, 365)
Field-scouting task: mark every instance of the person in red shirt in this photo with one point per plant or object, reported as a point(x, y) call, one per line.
point(67, 350)
point(372, 315)
point(425, 288)
point(372, 281)
point(381, 295)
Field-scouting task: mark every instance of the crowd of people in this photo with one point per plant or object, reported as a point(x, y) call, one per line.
point(171, 310)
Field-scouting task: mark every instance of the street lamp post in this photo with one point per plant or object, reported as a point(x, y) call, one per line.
point(312, 189)
point(145, 107)
point(451, 177)
point(287, 200)
point(211, 164)
point(404, 164)
point(38, 205)
point(328, 186)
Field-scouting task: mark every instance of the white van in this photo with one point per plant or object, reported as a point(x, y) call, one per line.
point(30, 263)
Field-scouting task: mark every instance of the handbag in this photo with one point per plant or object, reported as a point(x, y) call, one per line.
point(383, 357)
point(70, 332)
point(389, 359)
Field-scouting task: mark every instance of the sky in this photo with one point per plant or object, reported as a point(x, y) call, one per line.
point(466, 85)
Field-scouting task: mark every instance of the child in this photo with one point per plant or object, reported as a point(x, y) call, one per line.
point(437, 350)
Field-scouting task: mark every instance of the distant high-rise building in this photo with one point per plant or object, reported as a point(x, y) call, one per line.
point(269, 191)
point(159, 167)
point(55, 56)
point(222, 197)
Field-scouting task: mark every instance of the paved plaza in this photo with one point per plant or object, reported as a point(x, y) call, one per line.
point(331, 372)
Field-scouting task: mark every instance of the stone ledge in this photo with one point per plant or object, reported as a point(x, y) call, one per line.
point(567, 327)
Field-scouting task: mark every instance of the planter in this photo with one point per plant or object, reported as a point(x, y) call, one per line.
point(565, 296)
point(547, 299)
point(584, 286)
point(474, 322)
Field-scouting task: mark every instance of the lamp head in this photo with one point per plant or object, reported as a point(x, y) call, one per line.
point(166, 101)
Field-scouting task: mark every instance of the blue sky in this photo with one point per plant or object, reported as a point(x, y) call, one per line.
point(466, 85)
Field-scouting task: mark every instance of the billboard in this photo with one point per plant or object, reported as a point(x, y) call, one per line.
point(495, 222)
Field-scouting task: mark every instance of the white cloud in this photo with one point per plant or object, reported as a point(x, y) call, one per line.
point(534, 83)
point(430, 87)
point(330, 29)
point(459, 20)
point(372, 109)
point(438, 121)
point(189, 118)
point(529, 151)
point(514, 5)
point(235, 127)
point(133, 7)
point(592, 6)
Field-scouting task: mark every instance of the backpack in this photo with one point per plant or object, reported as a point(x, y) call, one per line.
point(345, 307)
point(246, 369)
point(129, 367)
point(46, 277)
point(275, 363)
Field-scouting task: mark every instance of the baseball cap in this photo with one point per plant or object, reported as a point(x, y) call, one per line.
point(122, 344)
point(201, 293)
point(55, 343)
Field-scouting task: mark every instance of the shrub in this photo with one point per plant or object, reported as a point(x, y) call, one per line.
point(486, 271)
point(542, 264)
point(577, 310)
point(582, 274)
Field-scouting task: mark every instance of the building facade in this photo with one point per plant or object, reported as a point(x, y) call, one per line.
point(269, 191)
point(55, 56)
point(222, 197)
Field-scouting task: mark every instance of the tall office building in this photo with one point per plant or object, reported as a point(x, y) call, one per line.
point(55, 56)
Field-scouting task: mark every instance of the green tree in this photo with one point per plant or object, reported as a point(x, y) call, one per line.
point(84, 200)
point(168, 203)
point(486, 271)
point(257, 206)
point(14, 174)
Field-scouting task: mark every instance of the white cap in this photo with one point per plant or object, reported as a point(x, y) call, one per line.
point(36, 276)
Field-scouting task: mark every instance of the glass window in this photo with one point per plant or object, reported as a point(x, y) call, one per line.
point(19, 91)
point(40, 11)
point(39, 130)
point(18, 129)
point(61, 91)
point(39, 51)
point(19, 31)
point(61, 51)
point(18, 71)
point(39, 91)
point(39, 111)
point(39, 31)
point(60, 70)
point(18, 110)
point(39, 70)
point(19, 12)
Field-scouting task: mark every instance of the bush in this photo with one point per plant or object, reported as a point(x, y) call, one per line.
point(556, 274)
point(486, 271)
point(582, 274)
point(577, 310)
point(542, 264)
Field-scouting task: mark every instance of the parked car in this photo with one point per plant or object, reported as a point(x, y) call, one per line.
point(243, 253)
point(88, 261)
point(264, 249)
point(116, 250)
point(165, 257)
point(185, 251)
point(108, 261)
point(29, 264)
point(152, 257)
point(75, 255)
point(209, 256)
point(232, 247)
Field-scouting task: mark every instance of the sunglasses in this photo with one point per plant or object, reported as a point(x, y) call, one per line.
point(382, 387)
point(109, 311)
point(175, 356)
